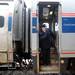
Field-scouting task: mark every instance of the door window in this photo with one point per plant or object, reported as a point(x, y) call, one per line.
point(1, 21)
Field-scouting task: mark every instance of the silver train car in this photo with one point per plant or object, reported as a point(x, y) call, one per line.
point(14, 31)
point(19, 34)
point(6, 22)
point(60, 16)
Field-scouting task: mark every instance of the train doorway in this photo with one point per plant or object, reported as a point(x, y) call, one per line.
point(48, 57)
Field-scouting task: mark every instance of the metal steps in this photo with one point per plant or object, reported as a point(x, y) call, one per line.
point(54, 66)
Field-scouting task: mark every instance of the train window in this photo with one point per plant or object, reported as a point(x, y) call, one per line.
point(45, 12)
point(4, 4)
point(1, 21)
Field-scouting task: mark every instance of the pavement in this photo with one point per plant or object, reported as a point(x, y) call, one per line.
point(17, 72)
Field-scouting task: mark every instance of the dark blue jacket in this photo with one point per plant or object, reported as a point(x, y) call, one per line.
point(45, 39)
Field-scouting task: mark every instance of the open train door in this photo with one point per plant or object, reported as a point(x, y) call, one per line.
point(49, 17)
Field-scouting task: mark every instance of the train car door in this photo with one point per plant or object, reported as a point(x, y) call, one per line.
point(48, 37)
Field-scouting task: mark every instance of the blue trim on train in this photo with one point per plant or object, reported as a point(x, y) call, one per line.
point(34, 21)
point(34, 30)
point(68, 24)
point(9, 23)
point(34, 24)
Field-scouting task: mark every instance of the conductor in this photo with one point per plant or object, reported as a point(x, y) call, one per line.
point(45, 36)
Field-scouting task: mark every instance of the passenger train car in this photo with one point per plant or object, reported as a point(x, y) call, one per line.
point(6, 22)
point(60, 15)
point(19, 34)
point(13, 32)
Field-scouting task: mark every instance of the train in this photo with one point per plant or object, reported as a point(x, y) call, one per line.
point(19, 30)
point(6, 21)
point(59, 15)
point(15, 32)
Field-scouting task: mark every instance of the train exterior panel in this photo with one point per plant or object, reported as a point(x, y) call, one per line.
point(18, 20)
point(12, 30)
point(34, 29)
point(66, 27)
point(67, 31)
point(6, 21)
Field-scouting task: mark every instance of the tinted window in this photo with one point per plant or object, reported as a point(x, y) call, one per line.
point(1, 21)
point(4, 4)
